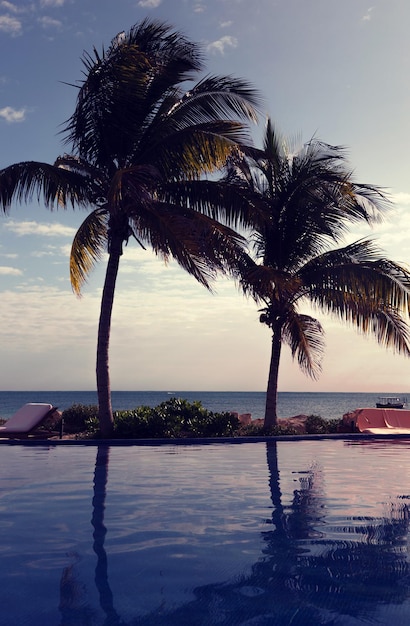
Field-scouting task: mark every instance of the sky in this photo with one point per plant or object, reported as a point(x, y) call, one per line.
point(339, 71)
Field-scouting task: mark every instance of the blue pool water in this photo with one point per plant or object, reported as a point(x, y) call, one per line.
point(282, 533)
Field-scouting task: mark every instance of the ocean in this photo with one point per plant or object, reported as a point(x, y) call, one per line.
point(328, 405)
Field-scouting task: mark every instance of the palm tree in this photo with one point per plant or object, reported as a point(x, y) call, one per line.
point(304, 202)
point(142, 143)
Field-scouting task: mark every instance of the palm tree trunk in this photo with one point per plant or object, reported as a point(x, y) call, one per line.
point(271, 416)
point(105, 415)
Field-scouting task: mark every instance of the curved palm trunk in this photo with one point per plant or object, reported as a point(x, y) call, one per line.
point(271, 416)
point(105, 415)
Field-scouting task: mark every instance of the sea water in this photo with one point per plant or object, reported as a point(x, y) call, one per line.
point(327, 405)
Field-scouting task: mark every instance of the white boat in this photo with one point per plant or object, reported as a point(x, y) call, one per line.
point(390, 402)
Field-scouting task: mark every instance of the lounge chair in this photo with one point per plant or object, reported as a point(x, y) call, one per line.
point(383, 421)
point(28, 421)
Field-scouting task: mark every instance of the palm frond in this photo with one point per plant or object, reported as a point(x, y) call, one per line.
point(132, 188)
point(200, 129)
point(265, 283)
point(200, 245)
point(197, 150)
point(88, 246)
point(304, 335)
point(160, 42)
point(107, 114)
point(219, 97)
point(192, 152)
point(389, 328)
point(23, 182)
point(346, 280)
point(312, 198)
point(231, 204)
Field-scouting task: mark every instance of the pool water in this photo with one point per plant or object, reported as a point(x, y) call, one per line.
point(255, 534)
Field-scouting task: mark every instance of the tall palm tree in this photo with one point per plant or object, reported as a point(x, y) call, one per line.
point(142, 143)
point(304, 202)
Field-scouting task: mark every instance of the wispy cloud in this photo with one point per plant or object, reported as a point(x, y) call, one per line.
point(35, 228)
point(10, 271)
point(49, 22)
point(9, 255)
point(11, 115)
point(367, 16)
point(9, 6)
point(10, 25)
point(52, 3)
point(149, 4)
point(219, 46)
point(40, 254)
point(13, 25)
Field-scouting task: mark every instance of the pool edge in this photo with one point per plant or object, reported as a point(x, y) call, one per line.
point(199, 440)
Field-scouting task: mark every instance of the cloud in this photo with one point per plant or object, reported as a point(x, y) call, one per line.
point(39, 254)
point(221, 44)
point(9, 255)
point(149, 4)
point(49, 22)
point(10, 271)
point(10, 7)
point(52, 3)
point(10, 25)
point(401, 198)
point(13, 115)
point(34, 228)
point(367, 16)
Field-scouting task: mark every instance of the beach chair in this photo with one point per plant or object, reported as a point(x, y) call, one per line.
point(398, 420)
point(383, 421)
point(371, 420)
point(33, 420)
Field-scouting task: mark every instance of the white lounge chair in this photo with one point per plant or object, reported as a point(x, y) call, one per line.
point(27, 420)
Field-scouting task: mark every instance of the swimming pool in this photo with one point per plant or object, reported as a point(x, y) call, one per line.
point(290, 532)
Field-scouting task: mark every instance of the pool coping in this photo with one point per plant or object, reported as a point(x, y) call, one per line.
point(200, 440)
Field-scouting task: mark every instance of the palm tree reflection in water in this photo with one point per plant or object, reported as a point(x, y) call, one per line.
point(101, 570)
point(73, 606)
point(310, 572)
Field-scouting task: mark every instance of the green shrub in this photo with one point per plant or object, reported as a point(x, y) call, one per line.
point(252, 430)
point(174, 418)
point(79, 418)
point(316, 425)
point(280, 429)
point(258, 430)
point(334, 425)
point(179, 418)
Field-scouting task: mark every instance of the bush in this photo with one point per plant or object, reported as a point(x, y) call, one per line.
point(79, 418)
point(178, 418)
point(316, 425)
point(174, 418)
point(258, 430)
